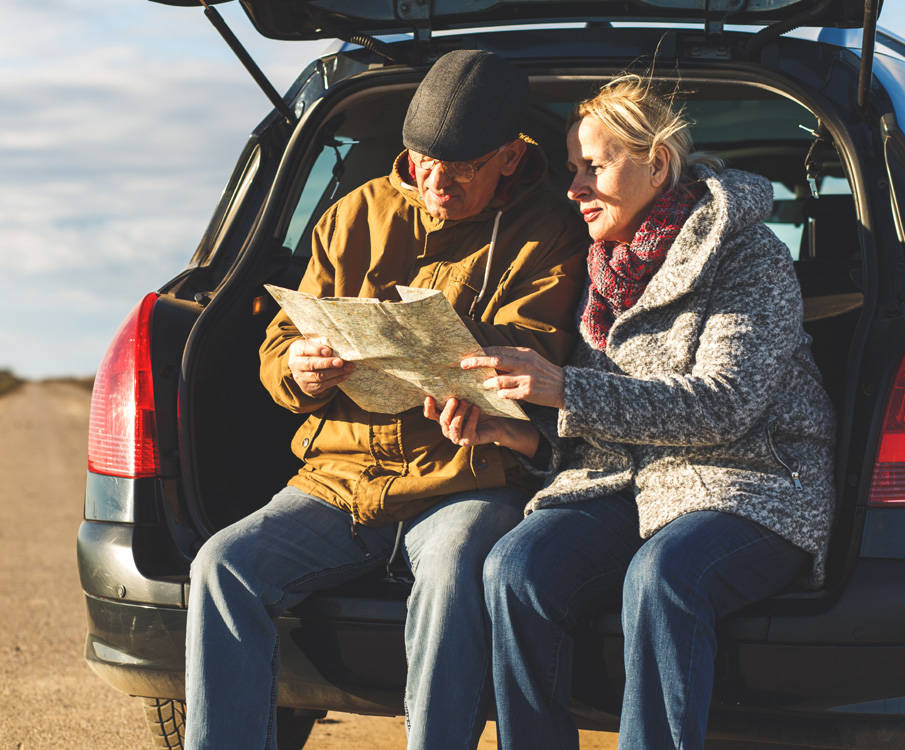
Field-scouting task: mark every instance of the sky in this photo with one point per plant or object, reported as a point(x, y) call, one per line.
point(120, 123)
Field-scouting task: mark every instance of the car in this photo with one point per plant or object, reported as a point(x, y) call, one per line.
point(184, 440)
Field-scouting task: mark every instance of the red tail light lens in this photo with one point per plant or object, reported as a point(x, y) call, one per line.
point(888, 486)
point(122, 438)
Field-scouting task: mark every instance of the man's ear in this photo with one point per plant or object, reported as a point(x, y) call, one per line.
point(659, 167)
point(512, 154)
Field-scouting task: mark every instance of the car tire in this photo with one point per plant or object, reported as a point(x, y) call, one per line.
point(166, 722)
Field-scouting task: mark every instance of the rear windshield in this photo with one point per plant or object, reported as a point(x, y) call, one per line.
point(748, 127)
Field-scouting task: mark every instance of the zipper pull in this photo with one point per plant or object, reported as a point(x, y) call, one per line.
point(793, 472)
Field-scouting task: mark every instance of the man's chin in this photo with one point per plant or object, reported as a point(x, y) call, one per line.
point(448, 207)
point(443, 212)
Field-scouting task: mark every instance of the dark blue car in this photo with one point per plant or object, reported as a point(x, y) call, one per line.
point(184, 440)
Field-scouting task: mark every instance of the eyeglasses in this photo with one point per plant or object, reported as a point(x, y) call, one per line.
point(460, 171)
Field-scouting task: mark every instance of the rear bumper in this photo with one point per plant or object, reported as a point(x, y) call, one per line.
point(349, 665)
point(782, 669)
point(354, 665)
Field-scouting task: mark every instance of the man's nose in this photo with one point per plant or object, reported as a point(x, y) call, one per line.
point(439, 177)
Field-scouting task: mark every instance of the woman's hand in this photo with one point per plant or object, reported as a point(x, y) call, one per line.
point(522, 374)
point(464, 424)
point(314, 368)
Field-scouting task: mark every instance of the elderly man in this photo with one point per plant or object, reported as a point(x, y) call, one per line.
point(465, 210)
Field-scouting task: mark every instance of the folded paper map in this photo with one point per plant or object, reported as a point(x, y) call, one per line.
point(402, 350)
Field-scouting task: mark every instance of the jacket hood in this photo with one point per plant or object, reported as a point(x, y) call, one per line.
point(734, 201)
point(742, 197)
point(528, 177)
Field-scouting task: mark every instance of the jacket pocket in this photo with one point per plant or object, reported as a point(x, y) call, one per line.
point(460, 283)
point(304, 438)
point(792, 466)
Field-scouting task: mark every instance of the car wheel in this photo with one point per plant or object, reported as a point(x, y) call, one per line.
point(166, 722)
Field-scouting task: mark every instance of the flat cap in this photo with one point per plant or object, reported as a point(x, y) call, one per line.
point(469, 103)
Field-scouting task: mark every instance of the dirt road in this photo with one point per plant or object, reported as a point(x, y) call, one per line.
point(49, 698)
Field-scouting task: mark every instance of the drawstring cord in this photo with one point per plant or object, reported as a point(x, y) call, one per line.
point(496, 227)
point(395, 551)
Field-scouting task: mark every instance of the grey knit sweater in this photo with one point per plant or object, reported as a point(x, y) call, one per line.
point(707, 396)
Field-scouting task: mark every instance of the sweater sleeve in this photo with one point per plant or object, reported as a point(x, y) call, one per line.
point(318, 281)
point(749, 335)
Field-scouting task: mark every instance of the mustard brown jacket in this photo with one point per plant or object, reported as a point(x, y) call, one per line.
point(384, 468)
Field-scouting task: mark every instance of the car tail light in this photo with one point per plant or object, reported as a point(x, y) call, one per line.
point(888, 485)
point(122, 438)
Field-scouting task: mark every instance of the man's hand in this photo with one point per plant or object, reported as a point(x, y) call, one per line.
point(464, 424)
point(521, 374)
point(314, 368)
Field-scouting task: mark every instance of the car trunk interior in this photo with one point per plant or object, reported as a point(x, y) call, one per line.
point(241, 438)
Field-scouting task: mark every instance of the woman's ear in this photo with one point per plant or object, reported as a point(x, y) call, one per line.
point(512, 155)
point(659, 167)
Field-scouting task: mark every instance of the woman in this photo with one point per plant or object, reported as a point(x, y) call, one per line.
point(691, 443)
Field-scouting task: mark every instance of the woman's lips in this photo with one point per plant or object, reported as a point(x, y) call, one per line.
point(589, 214)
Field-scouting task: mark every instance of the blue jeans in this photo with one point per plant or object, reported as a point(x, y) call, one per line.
point(565, 563)
point(251, 571)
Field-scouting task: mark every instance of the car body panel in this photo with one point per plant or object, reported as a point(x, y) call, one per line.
point(343, 650)
point(888, 60)
point(319, 19)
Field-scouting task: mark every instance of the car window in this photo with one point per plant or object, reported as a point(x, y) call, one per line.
point(786, 221)
point(321, 181)
point(229, 205)
point(789, 219)
point(748, 128)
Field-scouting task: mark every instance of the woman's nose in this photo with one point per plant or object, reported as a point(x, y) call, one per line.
point(577, 188)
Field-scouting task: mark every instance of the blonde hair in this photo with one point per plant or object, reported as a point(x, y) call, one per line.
point(643, 120)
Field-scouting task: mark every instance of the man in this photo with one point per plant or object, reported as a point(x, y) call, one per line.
point(464, 210)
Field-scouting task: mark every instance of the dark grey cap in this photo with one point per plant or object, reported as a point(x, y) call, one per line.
point(469, 103)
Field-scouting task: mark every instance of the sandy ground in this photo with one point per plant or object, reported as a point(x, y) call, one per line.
point(49, 698)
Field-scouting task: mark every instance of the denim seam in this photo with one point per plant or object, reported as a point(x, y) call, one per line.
point(408, 718)
point(274, 662)
point(557, 650)
point(477, 705)
point(763, 537)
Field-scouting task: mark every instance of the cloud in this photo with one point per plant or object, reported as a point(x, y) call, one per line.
point(119, 126)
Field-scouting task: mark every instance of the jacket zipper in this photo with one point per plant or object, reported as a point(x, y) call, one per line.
point(358, 540)
point(794, 471)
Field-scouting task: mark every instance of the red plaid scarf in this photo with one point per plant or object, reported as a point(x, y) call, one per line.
point(619, 272)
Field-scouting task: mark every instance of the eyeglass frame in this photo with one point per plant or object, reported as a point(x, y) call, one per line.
point(419, 162)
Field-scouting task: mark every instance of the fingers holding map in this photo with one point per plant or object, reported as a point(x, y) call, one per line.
point(402, 350)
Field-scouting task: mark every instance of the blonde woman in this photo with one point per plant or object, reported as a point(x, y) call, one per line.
point(689, 441)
